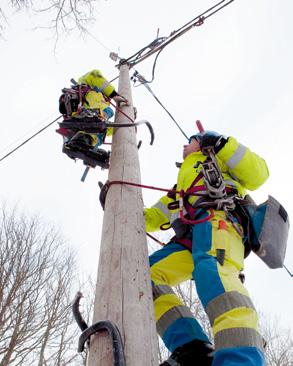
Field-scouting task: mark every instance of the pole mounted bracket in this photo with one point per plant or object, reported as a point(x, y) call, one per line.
point(101, 326)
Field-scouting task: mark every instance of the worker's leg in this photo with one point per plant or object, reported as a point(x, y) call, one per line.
point(176, 325)
point(108, 112)
point(226, 301)
point(96, 101)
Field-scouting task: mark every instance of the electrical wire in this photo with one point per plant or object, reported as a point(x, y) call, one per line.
point(162, 42)
point(24, 135)
point(166, 110)
point(97, 40)
point(289, 272)
point(145, 84)
point(153, 70)
point(155, 46)
point(30, 138)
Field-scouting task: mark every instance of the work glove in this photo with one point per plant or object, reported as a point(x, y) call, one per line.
point(119, 100)
point(181, 229)
point(103, 193)
point(212, 139)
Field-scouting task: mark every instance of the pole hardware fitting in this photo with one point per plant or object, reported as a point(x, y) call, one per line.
point(101, 326)
point(147, 123)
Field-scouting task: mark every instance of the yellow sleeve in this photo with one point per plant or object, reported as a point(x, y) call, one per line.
point(95, 79)
point(158, 215)
point(110, 131)
point(244, 165)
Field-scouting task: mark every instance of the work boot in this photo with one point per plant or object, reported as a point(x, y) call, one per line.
point(81, 140)
point(190, 354)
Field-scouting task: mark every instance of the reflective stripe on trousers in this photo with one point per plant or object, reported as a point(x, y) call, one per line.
point(232, 315)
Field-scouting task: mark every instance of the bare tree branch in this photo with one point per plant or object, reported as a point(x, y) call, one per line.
point(64, 15)
point(36, 280)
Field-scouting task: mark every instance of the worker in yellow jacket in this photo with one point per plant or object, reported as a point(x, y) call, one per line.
point(94, 89)
point(208, 247)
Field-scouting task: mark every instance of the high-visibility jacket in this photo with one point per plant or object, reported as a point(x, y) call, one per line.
point(241, 168)
point(96, 80)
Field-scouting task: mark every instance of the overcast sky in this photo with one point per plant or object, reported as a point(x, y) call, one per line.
point(234, 73)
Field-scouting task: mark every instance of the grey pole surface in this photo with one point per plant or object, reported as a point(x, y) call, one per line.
point(123, 289)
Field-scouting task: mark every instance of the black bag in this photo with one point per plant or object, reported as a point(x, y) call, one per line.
point(69, 101)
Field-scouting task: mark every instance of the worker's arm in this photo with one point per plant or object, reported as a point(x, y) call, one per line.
point(95, 79)
point(158, 215)
point(247, 167)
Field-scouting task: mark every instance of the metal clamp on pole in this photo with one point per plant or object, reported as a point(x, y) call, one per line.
point(101, 326)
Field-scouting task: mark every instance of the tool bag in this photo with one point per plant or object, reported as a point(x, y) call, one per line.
point(270, 228)
point(71, 98)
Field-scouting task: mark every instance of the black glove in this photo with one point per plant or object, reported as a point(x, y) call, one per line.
point(103, 193)
point(212, 139)
point(181, 229)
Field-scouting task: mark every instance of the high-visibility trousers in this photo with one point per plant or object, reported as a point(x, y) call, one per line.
point(227, 303)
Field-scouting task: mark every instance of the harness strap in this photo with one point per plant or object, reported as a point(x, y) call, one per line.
point(191, 213)
point(196, 189)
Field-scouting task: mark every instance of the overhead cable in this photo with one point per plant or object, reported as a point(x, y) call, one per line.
point(289, 272)
point(142, 80)
point(155, 46)
point(30, 138)
point(159, 43)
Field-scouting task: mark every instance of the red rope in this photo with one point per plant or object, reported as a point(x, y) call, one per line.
point(121, 111)
point(181, 193)
point(156, 240)
point(199, 221)
point(142, 186)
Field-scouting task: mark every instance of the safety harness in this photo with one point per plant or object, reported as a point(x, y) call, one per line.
point(72, 100)
point(212, 195)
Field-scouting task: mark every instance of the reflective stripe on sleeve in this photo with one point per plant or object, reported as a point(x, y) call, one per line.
point(162, 207)
point(226, 302)
point(236, 157)
point(104, 86)
point(238, 337)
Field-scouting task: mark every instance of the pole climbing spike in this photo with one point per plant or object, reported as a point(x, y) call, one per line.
point(85, 173)
point(95, 149)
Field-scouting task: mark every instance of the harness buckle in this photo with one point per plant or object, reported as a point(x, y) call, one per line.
point(213, 178)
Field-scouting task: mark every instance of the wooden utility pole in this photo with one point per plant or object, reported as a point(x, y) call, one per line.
point(123, 290)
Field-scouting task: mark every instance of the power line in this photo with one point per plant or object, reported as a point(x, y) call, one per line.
point(155, 46)
point(162, 42)
point(145, 83)
point(289, 272)
point(97, 40)
point(30, 138)
point(24, 135)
